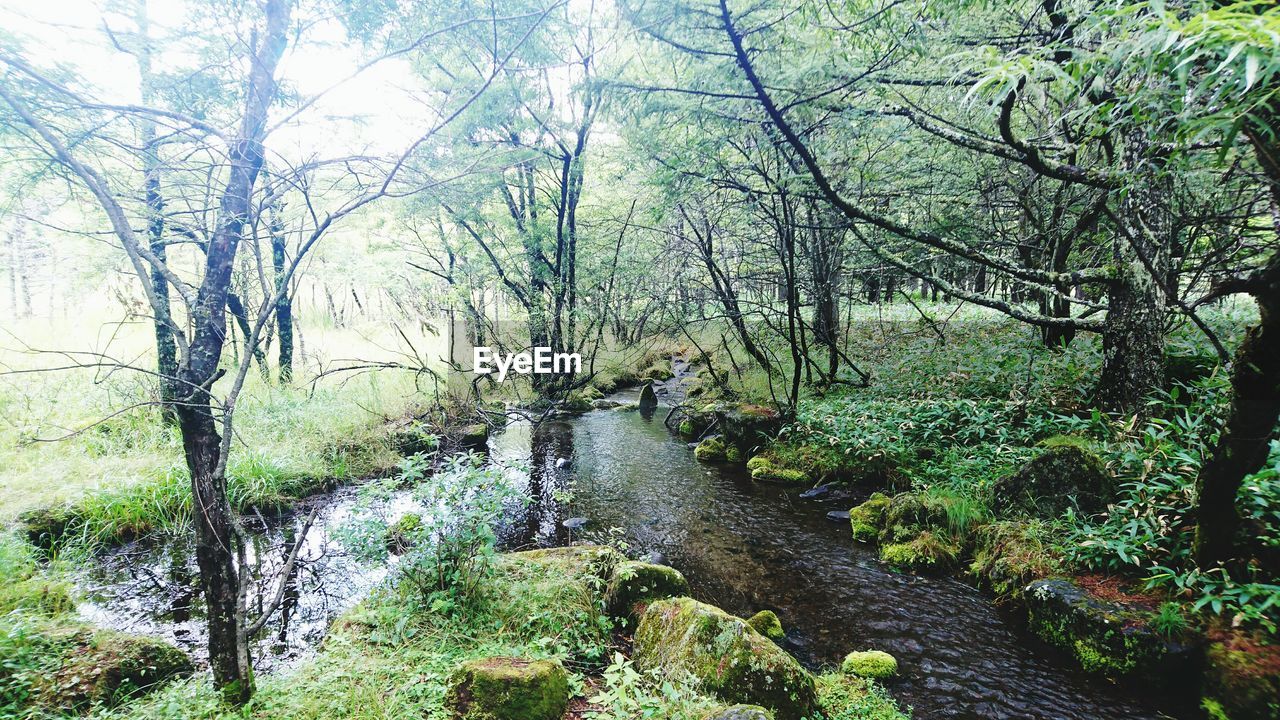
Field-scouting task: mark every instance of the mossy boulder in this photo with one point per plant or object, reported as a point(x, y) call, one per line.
point(1105, 637)
point(711, 450)
point(111, 668)
point(868, 519)
point(727, 657)
point(507, 688)
point(766, 623)
point(45, 527)
point(927, 552)
point(748, 426)
point(908, 515)
point(1009, 554)
point(637, 582)
point(593, 564)
point(576, 404)
point(1241, 678)
point(1063, 476)
point(740, 712)
point(872, 664)
point(763, 468)
point(659, 370)
point(474, 437)
point(402, 534)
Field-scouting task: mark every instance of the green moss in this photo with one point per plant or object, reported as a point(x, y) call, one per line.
point(733, 454)
point(640, 582)
point(474, 436)
point(1010, 554)
point(1104, 637)
point(725, 655)
point(1064, 476)
point(110, 668)
point(763, 467)
point(766, 623)
point(868, 518)
point(659, 370)
point(506, 688)
point(873, 664)
point(710, 450)
point(687, 429)
point(926, 552)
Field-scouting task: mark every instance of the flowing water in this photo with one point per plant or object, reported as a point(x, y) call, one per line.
point(744, 546)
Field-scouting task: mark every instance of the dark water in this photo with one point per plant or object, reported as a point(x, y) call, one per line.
point(151, 586)
point(748, 546)
point(744, 546)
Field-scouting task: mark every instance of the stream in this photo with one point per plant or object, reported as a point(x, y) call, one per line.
point(744, 546)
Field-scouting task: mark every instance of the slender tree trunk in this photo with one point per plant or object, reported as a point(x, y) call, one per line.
point(214, 530)
point(284, 306)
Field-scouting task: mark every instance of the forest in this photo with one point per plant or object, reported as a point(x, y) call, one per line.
point(640, 359)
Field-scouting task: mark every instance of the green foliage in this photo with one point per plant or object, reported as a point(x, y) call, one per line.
point(450, 550)
point(845, 697)
point(629, 694)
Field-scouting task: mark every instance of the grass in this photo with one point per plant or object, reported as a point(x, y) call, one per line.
point(83, 436)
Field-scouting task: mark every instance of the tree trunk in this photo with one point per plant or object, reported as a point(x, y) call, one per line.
point(284, 308)
point(1250, 424)
point(1133, 337)
point(215, 540)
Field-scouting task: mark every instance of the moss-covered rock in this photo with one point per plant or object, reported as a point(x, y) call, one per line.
point(660, 370)
point(402, 534)
point(1105, 637)
point(1063, 476)
point(711, 450)
point(474, 437)
point(1010, 554)
point(766, 623)
point(637, 582)
point(763, 468)
point(506, 688)
point(740, 712)
point(1241, 678)
point(576, 404)
point(411, 436)
point(927, 552)
point(868, 519)
point(725, 655)
point(873, 664)
point(593, 564)
point(111, 668)
point(908, 515)
point(748, 426)
point(732, 454)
